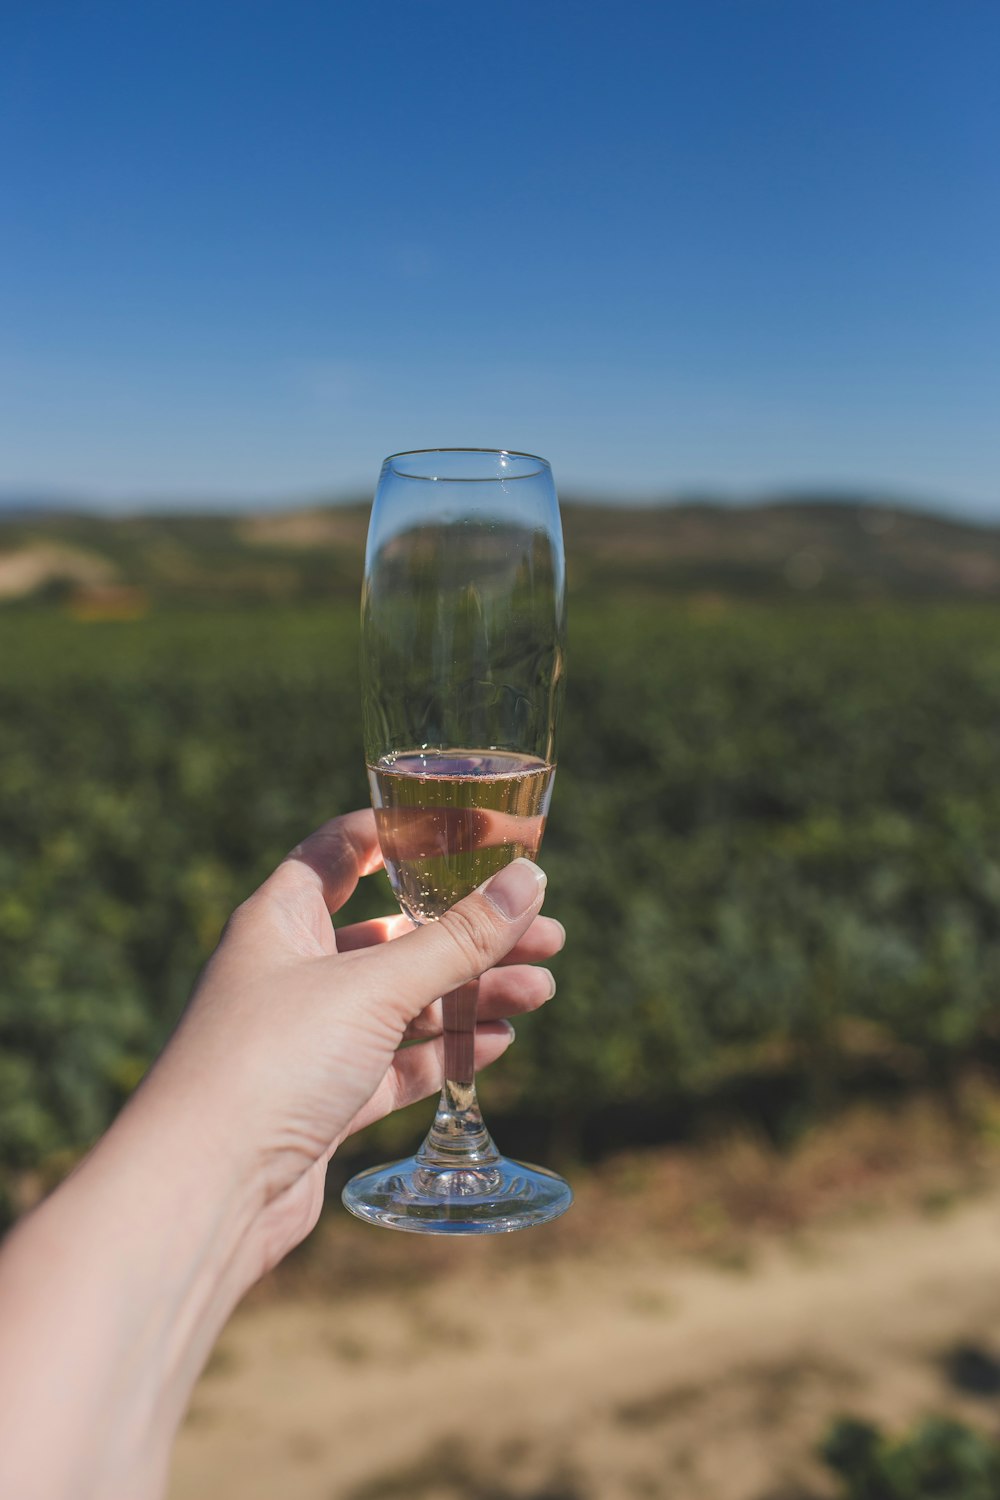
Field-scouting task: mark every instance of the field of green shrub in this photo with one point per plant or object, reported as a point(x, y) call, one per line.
point(775, 843)
point(938, 1458)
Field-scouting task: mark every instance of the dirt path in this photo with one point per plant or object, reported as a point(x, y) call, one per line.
point(609, 1376)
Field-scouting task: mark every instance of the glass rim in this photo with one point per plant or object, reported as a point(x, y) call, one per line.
point(543, 465)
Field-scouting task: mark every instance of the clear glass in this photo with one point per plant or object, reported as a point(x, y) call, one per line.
point(462, 628)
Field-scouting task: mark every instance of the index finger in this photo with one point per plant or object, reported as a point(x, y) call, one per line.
point(331, 861)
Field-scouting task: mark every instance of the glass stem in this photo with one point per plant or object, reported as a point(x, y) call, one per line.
point(458, 1138)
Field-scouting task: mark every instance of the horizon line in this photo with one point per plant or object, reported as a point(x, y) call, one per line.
point(23, 501)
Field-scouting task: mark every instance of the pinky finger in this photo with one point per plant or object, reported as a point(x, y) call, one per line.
point(418, 1072)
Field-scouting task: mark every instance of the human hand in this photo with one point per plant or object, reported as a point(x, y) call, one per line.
point(113, 1291)
point(292, 1038)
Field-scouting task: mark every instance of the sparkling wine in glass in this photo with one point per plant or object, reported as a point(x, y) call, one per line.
point(462, 620)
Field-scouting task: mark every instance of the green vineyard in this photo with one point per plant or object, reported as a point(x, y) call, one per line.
point(775, 844)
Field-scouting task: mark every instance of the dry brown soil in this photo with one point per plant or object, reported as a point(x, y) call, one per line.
point(690, 1336)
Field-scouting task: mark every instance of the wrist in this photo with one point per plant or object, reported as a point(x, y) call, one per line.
point(189, 1201)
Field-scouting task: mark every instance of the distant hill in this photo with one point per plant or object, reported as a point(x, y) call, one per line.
point(829, 548)
point(822, 548)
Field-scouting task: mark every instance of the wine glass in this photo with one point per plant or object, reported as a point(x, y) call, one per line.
point(462, 627)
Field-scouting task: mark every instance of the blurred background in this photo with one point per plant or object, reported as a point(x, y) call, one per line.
point(732, 268)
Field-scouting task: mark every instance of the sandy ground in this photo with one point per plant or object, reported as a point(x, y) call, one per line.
point(624, 1369)
point(27, 568)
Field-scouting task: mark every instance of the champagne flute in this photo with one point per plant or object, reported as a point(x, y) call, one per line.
point(462, 625)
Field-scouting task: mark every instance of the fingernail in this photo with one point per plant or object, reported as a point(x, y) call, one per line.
point(552, 983)
point(562, 930)
point(515, 888)
point(510, 1028)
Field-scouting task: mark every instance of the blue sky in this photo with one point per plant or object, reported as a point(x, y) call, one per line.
point(246, 249)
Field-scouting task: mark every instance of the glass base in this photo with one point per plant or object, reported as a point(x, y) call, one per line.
point(494, 1197)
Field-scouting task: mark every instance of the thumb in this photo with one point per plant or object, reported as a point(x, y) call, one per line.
point(414, 970)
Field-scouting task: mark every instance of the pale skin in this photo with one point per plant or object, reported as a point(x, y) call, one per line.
point(113, 1291)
